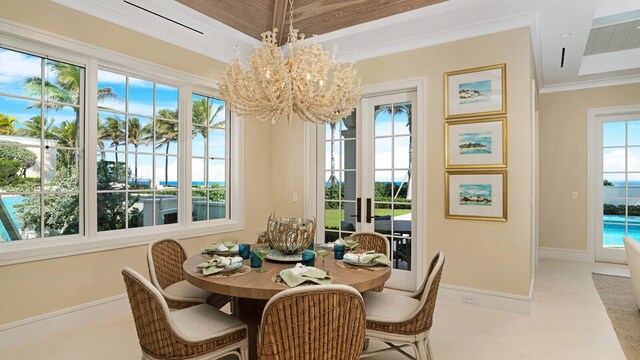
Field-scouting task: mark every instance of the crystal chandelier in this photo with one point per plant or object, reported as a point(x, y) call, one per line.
point(272, 86)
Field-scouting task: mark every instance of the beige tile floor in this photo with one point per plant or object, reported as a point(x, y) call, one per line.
point(568, 322)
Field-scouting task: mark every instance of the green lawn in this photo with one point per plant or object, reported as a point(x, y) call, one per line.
point(332, 216)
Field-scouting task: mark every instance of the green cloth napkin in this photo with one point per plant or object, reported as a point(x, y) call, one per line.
point(217, 264)
point(218, 247)
point(300, 273)
point(342, 242)
point(369, 257)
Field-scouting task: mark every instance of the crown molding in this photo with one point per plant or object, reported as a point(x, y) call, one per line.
point(213, 38)
point(365, 42)
point(624, 80)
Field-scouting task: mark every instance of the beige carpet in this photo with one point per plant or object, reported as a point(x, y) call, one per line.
point(616, 293)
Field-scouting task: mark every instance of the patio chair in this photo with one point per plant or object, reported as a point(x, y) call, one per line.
point(198, 332)
point(373, 241)
point(405, 321)
point(323, 322)
point(165, 259)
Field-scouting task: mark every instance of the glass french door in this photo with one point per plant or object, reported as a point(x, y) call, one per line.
point(366, 161)
point(618, 193)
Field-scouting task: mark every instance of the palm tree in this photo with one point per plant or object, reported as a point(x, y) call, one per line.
point(65, 134)
point(7, 124)
point(113, 130)
point(33, 127)
point(66, 91)
point(203, 114)
point(332, 178)
point(406, 109)
point(138, 136)
point(166, 134)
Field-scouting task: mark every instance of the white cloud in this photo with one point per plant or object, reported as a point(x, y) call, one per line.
point(614, 160)
point(216, 172)
point(15, 66)
point(111, 78)
point(144, 171)
point(476, 192)
point(140, 108)
point(112, 104)
point(115, 78)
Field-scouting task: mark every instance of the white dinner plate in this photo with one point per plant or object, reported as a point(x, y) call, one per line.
point(355, 263)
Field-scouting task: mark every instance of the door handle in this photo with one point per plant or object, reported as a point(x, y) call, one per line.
point(369, 210)
point(358, 210)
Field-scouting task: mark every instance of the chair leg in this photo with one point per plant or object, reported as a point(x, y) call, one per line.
point(429, 353)
point(244, 352)
point(233, 305)
point(366, 344)
point(416, 349)
point(421, 350)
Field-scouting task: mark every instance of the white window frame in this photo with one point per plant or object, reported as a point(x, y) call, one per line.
point(596, 117)
point(49, 45)
point(314, 172)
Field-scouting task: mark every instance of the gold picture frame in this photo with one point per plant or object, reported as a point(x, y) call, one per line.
point(476, 143)
point(475, 92)
point(476, 195)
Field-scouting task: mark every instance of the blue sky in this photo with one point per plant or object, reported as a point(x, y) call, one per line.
point(16, 67)
point(385, 126)
point(484, 87)
point(475, 190)
point(616, 156)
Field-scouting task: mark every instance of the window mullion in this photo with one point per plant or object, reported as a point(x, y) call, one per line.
point(91, 136)
point(184, 155)
point(42, 141)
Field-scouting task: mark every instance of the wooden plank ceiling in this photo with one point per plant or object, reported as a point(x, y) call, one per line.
point(311, 17)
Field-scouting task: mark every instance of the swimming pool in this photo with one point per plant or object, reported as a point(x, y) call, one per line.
point(613, 229)
point(9, 202)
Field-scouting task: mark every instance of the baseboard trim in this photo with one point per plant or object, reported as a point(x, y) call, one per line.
point(518, 304)
point(566, 254)
point(18, 332)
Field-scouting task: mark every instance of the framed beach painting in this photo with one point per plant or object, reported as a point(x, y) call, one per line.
point(475, 92)
point(477, 143)
point(476, 195)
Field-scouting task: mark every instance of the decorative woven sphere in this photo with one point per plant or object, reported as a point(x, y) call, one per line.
point(290, 235)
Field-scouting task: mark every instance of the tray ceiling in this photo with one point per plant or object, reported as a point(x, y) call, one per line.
point(565, 57)
point(311, 17)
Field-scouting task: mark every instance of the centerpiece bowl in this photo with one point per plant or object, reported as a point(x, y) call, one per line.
point(290, 235)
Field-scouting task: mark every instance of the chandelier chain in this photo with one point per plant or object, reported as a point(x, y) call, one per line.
point(290, 20)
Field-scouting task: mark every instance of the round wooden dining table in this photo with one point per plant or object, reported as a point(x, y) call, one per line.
point(254, 289)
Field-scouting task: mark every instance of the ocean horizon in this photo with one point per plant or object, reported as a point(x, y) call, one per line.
point(175, 183)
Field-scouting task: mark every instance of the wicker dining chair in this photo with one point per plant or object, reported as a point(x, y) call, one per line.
point(165, 259)
point(405, 321)
point(319, 322)
point(198, 332)
point(373, 241)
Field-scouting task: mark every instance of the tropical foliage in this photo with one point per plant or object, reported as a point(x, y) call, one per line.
point(116, 133)
point(609, 209)
point(20, 154)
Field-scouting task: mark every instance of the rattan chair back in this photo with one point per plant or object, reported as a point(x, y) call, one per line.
point(158, 336)
point(322, 322)
point(372, 241)
point(165, 259)
point(421, 319)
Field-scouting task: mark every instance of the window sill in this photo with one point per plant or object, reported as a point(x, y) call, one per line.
point(17, 252)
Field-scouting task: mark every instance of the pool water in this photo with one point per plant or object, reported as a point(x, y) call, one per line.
point(613, 230)
point(9, 202)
